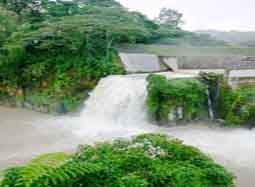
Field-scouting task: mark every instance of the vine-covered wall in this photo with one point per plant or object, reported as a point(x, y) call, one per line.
point(185, 100)
point(177, 99)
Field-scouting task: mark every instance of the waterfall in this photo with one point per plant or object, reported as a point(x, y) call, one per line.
point(210, 108)
point(118, 100)
point(115, 108)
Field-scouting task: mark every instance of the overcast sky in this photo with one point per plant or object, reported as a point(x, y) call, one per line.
point(203, 14)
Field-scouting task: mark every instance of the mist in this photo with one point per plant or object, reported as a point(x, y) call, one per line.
point(203, 14)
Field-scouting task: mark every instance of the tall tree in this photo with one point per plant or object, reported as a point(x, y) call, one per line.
point(169, 17)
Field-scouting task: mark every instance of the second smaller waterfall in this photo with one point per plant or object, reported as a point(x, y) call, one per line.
point(210, 108)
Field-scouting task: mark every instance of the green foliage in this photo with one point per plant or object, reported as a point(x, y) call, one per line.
point(102, 3)
point(59, 49)
point(24, 176)
point(166, 96)
point(8, 24)
point(68, 50)
point(147, 160)
point(238, 106)
point(170, 18)
point(51, 159)
point(215, 83)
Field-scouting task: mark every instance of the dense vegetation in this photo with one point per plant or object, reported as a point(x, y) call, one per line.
point(54, 51)
point(146, 161)
point(183, 98)
point(51, 52)
point(166, 98)
point(237, 107)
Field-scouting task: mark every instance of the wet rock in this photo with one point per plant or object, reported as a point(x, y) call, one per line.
point(57, 108)
point(44, 109)
point(28, 105)
point(20, 104)
point(220, 122)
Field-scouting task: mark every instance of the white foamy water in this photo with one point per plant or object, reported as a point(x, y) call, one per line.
point(116, 109)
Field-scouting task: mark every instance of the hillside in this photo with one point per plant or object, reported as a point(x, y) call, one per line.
point(54, 52)
point(233, 37)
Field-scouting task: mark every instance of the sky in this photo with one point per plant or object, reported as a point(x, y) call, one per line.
point(203, 14)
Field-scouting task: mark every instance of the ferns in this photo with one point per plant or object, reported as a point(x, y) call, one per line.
point(24, 176)
point(148, 160)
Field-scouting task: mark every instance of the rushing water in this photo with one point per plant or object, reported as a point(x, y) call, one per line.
point(116, 109)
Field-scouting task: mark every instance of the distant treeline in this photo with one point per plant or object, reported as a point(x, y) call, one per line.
point(233, 37)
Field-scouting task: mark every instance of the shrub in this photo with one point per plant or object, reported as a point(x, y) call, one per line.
point(146, 161)
point(165, 96)
point(239, 106)
point(23, 176)
point(235, 106)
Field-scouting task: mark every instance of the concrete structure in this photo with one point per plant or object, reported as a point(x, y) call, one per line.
point(241, 77)
point(141, 63)
point(216, 62)
point(239, 69)
point(170, 62)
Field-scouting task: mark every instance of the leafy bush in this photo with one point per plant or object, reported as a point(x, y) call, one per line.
point(147, 160)
point(20, 175)
point(238, 106)
point(235, 106)
point(166, 96)
point(8, 24)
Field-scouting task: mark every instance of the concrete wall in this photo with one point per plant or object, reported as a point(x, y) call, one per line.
point(147, 63)
point(202, 62)
point(238, 78)
point(141, 63)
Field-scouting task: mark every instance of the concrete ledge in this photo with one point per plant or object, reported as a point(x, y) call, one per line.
point(141, 63)
point(238, 78)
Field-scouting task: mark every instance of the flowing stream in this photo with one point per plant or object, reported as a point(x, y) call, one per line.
point(116, 109)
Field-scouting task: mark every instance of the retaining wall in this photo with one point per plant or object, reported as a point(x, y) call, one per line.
point(212, 62)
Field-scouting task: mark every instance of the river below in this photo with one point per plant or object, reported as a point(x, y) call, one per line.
point(26, 134)
point(115, 109)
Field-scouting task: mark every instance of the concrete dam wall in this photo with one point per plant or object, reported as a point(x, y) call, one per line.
point(239, 70)
point(214, 62)
point(141, 63)
point(149, 63)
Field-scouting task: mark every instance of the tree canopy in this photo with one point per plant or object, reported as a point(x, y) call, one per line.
point(170, 18)
point(56, 49)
